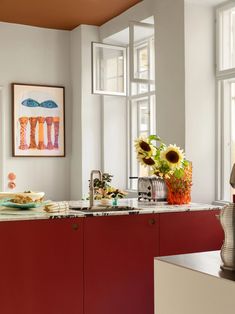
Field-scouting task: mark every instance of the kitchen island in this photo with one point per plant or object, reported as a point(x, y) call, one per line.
point(193, 283)
point(82, 262)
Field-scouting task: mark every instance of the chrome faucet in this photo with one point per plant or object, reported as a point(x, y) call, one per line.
point(91, 196)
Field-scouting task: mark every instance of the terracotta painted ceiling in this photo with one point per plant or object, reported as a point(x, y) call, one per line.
point(62, 14)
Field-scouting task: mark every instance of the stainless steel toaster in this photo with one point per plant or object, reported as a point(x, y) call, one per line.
point(152, 189)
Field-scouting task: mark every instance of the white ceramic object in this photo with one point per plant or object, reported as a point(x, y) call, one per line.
point(33, 195)
point(105, 202)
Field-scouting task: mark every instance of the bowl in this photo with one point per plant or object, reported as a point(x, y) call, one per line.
point(33, 195)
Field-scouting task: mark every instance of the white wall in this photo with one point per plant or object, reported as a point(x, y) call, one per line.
point(138, 12)
point(115, 139)
point(76, 155)
point(38, 56)
point(200, 98)
point(170, 80)
point(87, 118)
point(35, 55)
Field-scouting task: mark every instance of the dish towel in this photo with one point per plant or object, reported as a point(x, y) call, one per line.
point(55, 207)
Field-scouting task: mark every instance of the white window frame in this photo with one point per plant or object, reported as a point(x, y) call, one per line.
point(94, 58)
point(2, 138)
point(133, 79)
point(224, 78)
point(228, 72)
point(148, 94)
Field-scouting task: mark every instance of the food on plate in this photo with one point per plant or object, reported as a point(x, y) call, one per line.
point(23, 198)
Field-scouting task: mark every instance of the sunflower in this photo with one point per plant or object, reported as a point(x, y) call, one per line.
point(173, 155)
point(145, 160)
point(143, 147)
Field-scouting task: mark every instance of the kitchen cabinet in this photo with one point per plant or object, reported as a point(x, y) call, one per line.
point(118, 263)
point(41, 268)
point(189, 232)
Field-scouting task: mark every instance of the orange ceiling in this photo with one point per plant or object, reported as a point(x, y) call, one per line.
point(62, 14)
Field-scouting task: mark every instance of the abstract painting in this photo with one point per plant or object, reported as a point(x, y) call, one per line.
point(38, 120)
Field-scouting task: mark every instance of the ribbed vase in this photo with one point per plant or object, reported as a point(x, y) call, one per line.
point(227, 220)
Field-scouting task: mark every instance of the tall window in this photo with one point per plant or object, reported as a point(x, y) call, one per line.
point(225, 77)
point(129, 70)
point(141, 92)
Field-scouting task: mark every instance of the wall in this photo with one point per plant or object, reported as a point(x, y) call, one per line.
point(87, 127)
point(76, 156)
point(185, 96)
point(170, 67)
point(170, 80)
point(138, 12)
point(200, 98)
point(39, 56)
point(115, 139)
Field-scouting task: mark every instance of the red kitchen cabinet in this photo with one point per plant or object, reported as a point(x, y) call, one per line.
point(41, 267)
point(118, 264)
point(189, 232)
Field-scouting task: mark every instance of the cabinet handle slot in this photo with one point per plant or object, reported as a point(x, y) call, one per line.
point(75, 226)
point(152, 221)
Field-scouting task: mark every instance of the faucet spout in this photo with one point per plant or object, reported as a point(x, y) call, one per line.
point(91, 196)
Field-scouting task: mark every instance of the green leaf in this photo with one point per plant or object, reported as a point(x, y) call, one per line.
point(178, 173)
point(154, 138)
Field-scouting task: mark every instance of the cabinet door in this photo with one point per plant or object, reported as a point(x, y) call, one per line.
point(118, 261)
point(189, 232)
point(41, 267)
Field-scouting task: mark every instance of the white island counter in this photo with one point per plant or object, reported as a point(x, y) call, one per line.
point(193, 284)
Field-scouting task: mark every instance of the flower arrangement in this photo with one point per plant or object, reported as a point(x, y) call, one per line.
point(169, 163)
point(104, 190)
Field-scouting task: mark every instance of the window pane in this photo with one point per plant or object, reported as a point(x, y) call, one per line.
point(143, 122)
point(109, 69)
point(143, 50)
point(227, 39)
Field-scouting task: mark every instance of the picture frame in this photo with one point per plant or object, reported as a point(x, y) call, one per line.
point(38, 120)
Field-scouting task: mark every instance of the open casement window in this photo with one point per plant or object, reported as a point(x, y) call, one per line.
point(142, 68)
point(109, 69)
point(225, 35)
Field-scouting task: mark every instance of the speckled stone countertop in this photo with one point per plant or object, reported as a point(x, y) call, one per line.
point(80, 209)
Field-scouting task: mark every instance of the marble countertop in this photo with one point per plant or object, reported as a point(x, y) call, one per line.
point(80, 209)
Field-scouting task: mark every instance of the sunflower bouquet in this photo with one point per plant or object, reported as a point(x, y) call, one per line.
point(169, 163)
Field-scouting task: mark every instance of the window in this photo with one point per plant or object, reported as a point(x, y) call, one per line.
point(109, 69)
point(142, 109)
point(128, 70)
point(225, 78)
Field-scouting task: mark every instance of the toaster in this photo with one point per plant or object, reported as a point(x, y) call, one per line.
point(152, 189)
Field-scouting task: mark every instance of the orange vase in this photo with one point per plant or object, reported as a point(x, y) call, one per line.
point(179, 190)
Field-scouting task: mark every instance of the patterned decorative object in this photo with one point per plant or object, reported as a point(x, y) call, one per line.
point(227, 219)
point(11, 176)
point(49, 121)
point(23, 124)
point(152, 189)
point(179, 189)
point(33, 123)
point(38, 120)
point(11, 185)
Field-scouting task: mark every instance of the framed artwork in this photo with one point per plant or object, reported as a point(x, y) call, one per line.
point(38, 120)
